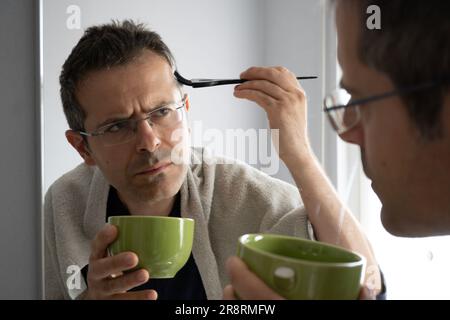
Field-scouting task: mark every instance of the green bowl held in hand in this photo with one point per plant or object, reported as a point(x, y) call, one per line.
point(303, 269)
point(162, 244)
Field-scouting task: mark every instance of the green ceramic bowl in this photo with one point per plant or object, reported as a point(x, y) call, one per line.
point(162, 244)
point(303, 269)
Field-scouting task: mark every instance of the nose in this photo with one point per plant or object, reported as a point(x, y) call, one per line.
point(355, 135)
point(146, 138)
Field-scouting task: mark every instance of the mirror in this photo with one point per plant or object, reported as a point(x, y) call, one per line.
point(209, 39)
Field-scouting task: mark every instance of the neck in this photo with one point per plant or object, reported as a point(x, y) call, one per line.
point(141, 207)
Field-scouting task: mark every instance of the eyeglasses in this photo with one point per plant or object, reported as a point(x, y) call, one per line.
point(344, 113)
point(165, 117)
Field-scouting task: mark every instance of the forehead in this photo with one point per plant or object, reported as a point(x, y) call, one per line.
point(122, 90)
point(347, 24)
point(356, 74)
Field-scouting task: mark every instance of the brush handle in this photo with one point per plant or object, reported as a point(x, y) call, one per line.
point(199, 83)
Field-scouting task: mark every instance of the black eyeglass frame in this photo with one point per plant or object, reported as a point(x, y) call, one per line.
point(400, 91)
point(102, 130)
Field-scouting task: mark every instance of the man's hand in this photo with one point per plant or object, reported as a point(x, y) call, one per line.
point(247, 286)
point(278, 92)
point(105, 275)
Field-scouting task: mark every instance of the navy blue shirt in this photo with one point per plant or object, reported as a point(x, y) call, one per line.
point(187, 283)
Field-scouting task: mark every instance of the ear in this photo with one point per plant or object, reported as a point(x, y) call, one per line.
point(78, 143)
point(188, 103)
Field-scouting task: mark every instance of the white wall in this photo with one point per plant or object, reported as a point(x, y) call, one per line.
point(217, 38)
point(294, 38)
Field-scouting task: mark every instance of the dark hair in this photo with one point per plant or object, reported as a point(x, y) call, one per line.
point(412, 47)
point(102, 47)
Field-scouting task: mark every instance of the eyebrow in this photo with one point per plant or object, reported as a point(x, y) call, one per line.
point(109, 121)
point(118, 118)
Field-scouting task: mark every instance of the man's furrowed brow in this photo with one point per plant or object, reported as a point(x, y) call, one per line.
point(159, 104)
point(112, 120)
point(150, 108)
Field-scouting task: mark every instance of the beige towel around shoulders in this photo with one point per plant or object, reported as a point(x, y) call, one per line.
point(225, 200)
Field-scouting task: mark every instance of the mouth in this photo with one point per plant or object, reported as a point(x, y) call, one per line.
point(155, 169)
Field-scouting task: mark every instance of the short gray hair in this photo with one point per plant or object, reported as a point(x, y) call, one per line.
point(102, 47)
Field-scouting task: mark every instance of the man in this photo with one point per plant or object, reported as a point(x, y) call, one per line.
point(399, 116)
point(117, 76)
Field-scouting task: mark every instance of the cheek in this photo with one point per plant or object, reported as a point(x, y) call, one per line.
point(178, 142)
point(113, 161)
point(381, 137)
point(390, 160)
point(178, 136)
point(380, 156)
